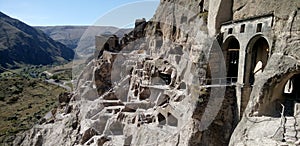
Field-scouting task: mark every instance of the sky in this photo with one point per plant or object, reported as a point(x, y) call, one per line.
point(119, 13)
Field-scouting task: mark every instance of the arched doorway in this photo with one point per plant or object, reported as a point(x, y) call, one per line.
point(257, 53)
point(256, 58)
point(231, 49)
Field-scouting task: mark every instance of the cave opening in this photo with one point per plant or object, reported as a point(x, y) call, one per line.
point(201, 6)
point(145, 93)
point(291, 95)
point(161, 119)
point(106, 46)
point(166, 77)
point(282, 97)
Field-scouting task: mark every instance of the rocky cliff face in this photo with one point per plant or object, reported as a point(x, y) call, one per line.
point(165, 84)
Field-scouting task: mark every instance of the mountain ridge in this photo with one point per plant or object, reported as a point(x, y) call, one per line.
point(23, 44)
point(80, 38)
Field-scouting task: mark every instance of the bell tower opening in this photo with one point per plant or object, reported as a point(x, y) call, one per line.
point(231, 50)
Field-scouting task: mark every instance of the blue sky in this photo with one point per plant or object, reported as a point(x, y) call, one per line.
point(79, 12)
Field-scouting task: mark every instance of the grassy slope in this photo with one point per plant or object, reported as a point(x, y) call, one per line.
point(22, 103)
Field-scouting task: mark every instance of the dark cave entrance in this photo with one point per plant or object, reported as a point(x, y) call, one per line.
point(283, 94)
point(106, 46)
point(161, 119)
point(166, 77)
point(291, 95)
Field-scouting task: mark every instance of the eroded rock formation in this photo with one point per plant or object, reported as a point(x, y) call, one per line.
point(166, 82)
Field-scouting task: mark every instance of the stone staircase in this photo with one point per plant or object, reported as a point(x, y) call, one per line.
point(291, 130)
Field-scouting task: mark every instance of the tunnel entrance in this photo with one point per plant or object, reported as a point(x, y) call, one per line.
point(291, 94)
point(231, 50)
point(283, 94)
point(257, 57)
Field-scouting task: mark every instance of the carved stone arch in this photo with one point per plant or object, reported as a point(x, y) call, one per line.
point(258, 49)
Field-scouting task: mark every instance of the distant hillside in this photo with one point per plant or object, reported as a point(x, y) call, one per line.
point(71, 36)
point(23, 44)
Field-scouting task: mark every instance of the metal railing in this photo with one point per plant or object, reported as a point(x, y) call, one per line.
point(227, 81)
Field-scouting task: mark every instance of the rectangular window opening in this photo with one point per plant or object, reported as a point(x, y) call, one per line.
point(259, 27)
point(230, 31)
point(242, 28)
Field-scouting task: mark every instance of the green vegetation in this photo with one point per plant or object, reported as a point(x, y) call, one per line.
point(69, 70)
point(23, 102)
point(65, 75)
point(28, 71)
point(25, 96)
